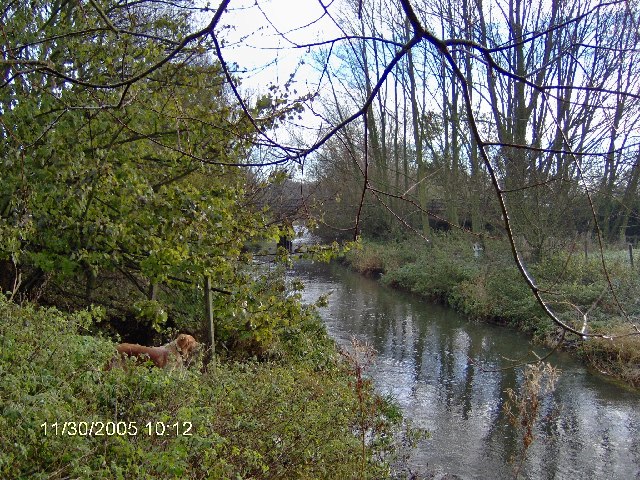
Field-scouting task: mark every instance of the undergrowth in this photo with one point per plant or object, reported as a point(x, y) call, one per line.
point(64, 416)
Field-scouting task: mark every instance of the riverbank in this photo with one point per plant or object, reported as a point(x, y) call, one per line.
point(307, 414)
point(450, 376)
point(488, 287)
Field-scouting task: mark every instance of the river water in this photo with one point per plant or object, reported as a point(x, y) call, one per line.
point(442, 369)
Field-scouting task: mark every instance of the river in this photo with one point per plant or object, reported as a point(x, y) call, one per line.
point(443, 371)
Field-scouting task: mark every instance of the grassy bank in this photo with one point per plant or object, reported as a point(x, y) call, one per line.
point(308, 415)
point(490, 288)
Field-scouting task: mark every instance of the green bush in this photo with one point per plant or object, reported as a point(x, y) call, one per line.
point(367, 259)
point(513, 299)
point(293, 419)
point(428, 269)
point(472, 297)
point(489, 287)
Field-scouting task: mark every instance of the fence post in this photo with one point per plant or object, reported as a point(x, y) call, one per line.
point(631, 254)
point(209, 312)
point(153, 290)
point(586, 247)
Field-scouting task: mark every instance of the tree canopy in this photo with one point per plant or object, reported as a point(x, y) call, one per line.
point(103, 172)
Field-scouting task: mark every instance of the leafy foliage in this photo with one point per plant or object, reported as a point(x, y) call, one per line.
point(248, 420)
point(135, 177)
point(140, 184)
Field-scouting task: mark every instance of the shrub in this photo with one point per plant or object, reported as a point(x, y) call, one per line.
point(293, 419)
point(619, 357)
point(432, 271)
point(367, 259)
point(473, 298)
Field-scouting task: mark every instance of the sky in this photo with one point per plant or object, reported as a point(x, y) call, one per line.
point(265, 36)
point(264, 41)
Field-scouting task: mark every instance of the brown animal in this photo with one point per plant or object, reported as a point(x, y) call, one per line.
point(171, 354)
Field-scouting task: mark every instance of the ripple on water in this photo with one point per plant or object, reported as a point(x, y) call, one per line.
point(444, 372)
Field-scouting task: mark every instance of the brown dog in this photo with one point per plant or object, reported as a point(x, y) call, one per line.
point(174, 353)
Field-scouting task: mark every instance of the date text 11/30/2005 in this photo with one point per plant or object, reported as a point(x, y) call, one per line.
point(99, 428)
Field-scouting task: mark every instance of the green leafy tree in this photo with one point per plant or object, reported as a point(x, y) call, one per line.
point(120, 147)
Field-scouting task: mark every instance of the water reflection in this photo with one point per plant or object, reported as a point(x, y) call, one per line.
point(438, 367)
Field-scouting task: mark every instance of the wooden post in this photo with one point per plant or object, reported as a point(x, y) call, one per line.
point(586, 247)
point(153, 290)
point(209, 312)
point(631, 254)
